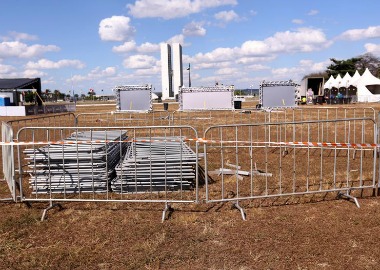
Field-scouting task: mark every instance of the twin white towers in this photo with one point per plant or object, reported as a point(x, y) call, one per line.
point(172, 71)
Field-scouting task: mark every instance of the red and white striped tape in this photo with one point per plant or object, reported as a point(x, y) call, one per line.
point(200, 140)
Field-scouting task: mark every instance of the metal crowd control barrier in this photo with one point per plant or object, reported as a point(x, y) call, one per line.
point(12, 126)
point(122, 119)
point(201, 120)
point(154, 164)
point(8, 160)
point(246, 162)
point(60, 120)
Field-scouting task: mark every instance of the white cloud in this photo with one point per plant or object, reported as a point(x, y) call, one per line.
point(297, 72)
point(255, 59)
point(373, 48)
point(210, 65)
point(128, 46)
point(116, 28)
point(217, 55)
point(313, 12)
point(96, 73)
point(174, 8)
point(297, 21)
point(228, 71)
point(227, 16)
point(6, 69)
point(251, 56)
point(177, 39)
point(22, 36)
point(194, 29)
point(139, 61)
point(302, 40)
point(357, 34)
point(30, 73)
point(148, 72)
point(16, 36)
point(21, 50)
point(100, 73)
point(258, 67)
point(148, 47)
point(48, 64)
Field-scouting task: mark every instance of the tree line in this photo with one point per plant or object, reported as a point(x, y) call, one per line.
point(359, 63)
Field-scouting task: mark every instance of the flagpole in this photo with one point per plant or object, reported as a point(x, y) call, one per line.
point(189, 75)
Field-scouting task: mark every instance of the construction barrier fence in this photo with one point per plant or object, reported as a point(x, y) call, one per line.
point(255, 155)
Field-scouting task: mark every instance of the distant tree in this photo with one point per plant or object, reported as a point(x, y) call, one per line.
point(29, 96)
point(342, 66)
point(359, 63)
point(239, 93)
point(369, 61)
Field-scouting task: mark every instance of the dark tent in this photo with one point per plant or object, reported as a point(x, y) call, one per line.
point(6, 85)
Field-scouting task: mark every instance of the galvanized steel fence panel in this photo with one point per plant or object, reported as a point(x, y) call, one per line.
point(63, 166)
point(245, 162)
point(201, 120)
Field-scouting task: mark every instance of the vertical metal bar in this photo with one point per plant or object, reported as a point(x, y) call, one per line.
point(222, 158)
point(92, 164)
point(135, 158)
point(180, 158)
point(78, 173)
point(205, 166)
point(237, 163)
point(335, 156)
point(150, 161)
point(251, 160)
point(106, 145)
point(63, 164)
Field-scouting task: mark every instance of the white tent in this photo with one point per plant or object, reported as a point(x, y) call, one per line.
point(368, 87)
point(337, 82)
point(329, 82)
point(346, 80)
point(355, 78)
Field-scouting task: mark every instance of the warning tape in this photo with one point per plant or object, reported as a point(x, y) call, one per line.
point(199, 140)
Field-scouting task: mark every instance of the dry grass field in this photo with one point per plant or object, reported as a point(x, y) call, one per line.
point(292, 232)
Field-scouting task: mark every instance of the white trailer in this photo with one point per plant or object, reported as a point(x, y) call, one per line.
point(316, 84)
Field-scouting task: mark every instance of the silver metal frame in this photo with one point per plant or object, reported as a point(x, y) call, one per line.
point(126, 88)
point(79, 168)
point(215, 89)
point(266, 146)
point(271, 84)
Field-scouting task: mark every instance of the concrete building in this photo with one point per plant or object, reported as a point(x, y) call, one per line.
point(166, 71)
point(171, 70)
point(177, 68)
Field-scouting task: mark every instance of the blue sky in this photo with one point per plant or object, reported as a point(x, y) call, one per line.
point(78, 45)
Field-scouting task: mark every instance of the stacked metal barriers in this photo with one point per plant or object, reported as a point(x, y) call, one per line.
point(156, 164)
point(84, 162)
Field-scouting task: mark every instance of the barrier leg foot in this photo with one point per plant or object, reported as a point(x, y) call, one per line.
point(168, 209)
point(243, 215)
point(348, 197)
point(52, 205)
